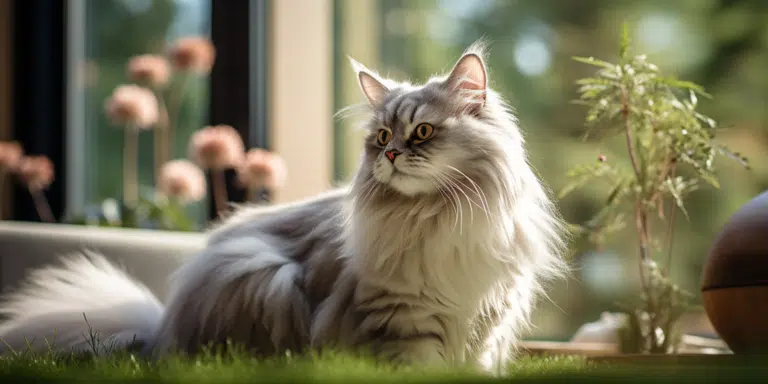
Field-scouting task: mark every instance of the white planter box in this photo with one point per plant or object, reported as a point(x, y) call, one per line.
point(149, 256)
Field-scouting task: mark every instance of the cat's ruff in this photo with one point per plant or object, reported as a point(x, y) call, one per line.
point(435, 255)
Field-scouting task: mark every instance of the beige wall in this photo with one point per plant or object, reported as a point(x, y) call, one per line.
point(5, 89)
point(301, 94)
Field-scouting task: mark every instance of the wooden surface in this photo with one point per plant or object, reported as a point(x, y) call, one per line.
point(567, 348)
point(662, 360)
point(692, 346)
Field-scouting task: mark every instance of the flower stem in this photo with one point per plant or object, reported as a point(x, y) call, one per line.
point(219, 190)
point(161, 144)
point(130, 160)
point(42, 206)
point(174, 110)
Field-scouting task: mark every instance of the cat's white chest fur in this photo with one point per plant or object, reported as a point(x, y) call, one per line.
point(439, 266)
point(450, 262)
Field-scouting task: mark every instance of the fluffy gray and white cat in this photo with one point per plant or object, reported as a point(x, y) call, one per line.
point(435, 253)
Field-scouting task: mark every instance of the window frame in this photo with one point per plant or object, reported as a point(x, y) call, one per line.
point(238, 82)
point(6, 99)
point(39, 116)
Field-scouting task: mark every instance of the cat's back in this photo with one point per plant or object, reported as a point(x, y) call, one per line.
point(309, 232)
point(322, 212)
point(260, 278)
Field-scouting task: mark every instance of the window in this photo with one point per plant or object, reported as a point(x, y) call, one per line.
point(103, 36)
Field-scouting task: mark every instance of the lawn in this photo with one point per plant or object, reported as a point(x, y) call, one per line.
point(230, 368)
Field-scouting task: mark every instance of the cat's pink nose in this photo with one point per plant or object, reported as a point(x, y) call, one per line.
point(391, 155)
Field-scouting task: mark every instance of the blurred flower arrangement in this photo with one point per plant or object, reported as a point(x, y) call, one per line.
point(151, 102)
point(670, 153)
point(36, 173)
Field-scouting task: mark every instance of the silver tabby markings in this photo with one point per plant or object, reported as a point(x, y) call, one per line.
point(435, 253)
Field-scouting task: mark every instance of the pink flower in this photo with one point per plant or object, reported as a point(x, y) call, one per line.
point(10, 155)
point(36, 172)
point(182, 180)
point(262, 169)
point(217, 147)
point(132, 105)
point(195, 54)
point(152, 70)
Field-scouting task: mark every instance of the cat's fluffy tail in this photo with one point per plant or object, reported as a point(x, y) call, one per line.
point(84, 304)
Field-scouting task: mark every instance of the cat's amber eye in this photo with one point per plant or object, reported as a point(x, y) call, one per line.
point(384, 137)
point(422, 133)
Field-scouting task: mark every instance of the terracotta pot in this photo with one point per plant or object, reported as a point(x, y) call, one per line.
point(734, 281)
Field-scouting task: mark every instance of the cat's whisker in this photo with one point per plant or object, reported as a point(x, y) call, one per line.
point(359, 197)
point(454, 183)
point(460, 211)
point(482, 205)
point(366, 195)
point(475, 186)
point(441, 188)
point(446, 199)
point(469, 199)
point(479, 191)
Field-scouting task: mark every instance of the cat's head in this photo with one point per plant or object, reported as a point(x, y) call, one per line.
point(441, 135)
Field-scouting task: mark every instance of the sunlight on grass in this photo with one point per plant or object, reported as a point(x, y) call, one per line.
point(234, 366)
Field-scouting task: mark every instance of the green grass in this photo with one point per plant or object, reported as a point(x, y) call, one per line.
point(234, 368)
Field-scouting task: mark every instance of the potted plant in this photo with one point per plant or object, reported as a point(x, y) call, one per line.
point(670, 153)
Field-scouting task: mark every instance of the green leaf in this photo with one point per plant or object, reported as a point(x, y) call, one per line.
point(733, 155)
point(625, 40)
point(694, 99)
point(580, 175)
point(570, 187)
point(615, 192)
point(682, 84)
point(576, 229)
point(677, 196)
point(709, 178)
point(597, 81)
point(595, 62)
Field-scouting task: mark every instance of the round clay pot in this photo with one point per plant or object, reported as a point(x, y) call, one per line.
point(734, 282)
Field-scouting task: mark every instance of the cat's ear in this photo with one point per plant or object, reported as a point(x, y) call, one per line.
point(469, 77)
point(373, 88)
